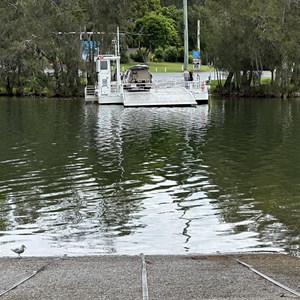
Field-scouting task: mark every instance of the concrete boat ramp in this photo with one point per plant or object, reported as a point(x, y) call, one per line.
point(235, 276)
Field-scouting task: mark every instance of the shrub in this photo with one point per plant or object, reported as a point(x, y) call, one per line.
point(180, 54)
point(159, 54)
point(141, 55)
point(171, 54)
point(124, 58)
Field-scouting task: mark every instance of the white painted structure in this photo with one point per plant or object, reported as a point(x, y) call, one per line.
point(109, 88)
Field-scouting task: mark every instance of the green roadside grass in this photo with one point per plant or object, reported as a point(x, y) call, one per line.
point(165, 67)
point(266, 81)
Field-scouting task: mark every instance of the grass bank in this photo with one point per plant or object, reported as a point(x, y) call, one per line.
point(265, 81)
point(166, 67)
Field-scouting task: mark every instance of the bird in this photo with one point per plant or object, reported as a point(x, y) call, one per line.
point(19, 251)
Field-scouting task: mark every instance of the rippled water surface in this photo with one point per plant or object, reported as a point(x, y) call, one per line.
point(87, 179)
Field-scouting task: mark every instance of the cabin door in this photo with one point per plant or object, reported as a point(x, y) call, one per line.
point(104, 77)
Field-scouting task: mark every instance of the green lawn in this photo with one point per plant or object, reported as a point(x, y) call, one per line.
point(214, 83)
point(165, 67)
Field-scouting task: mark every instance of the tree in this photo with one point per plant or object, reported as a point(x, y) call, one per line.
point(14, 42)
point(31, 44)
point(57, 45)
point(178, 3)
point(140, 8)
point(40, 41)
point(156, 31)
point(239, 36)
point(247, 37)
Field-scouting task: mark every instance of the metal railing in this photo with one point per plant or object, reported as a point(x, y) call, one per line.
point(90, 93)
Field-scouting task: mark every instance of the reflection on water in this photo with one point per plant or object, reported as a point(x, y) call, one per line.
point(87, 179)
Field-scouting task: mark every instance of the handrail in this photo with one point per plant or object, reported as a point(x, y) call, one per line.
point(196, 86)
point(159, 84)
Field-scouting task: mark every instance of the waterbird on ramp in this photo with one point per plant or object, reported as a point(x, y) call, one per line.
point(19, 251)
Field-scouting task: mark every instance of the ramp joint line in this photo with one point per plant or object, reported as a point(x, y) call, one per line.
point(268, 278)
point(144, 278)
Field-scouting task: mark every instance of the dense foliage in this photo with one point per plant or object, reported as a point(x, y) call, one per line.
point(41, 41)
point(251, 36)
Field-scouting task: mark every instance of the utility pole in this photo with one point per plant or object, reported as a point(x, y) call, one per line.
point(198, 35)
point(198, 42)
point(186, 35)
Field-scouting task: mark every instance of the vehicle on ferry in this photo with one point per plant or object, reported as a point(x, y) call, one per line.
point(137, 78)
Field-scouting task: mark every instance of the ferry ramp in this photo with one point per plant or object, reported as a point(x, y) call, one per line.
point(173, 96)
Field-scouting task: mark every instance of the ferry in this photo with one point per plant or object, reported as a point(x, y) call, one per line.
point(136, 88)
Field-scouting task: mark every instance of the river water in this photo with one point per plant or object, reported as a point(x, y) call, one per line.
point(87, 179)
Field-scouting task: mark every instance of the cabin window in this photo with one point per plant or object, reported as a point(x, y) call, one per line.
point(103, 65)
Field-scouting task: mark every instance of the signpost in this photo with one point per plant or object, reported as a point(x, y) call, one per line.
point(196, 60)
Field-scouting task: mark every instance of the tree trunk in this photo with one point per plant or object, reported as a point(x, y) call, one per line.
point(228, 82)
point(9, 87)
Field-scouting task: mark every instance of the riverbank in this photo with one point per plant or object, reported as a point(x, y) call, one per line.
point(263, 90)
point(151, 277)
